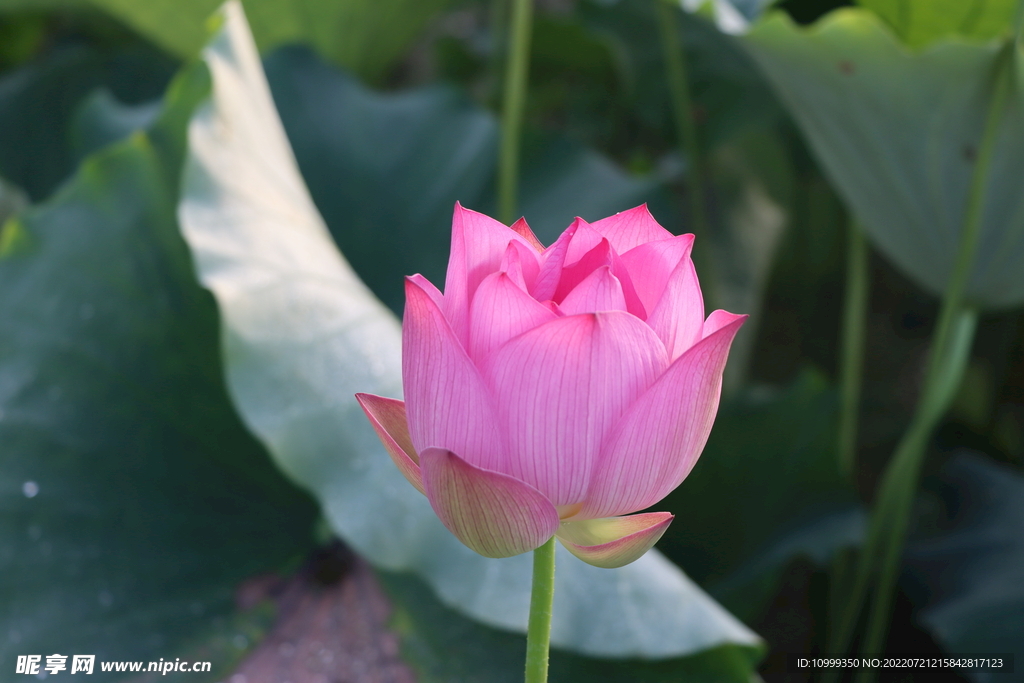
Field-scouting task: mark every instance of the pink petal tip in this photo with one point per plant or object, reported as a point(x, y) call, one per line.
point(387, 415)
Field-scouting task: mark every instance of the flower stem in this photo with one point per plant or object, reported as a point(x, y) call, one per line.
point(891, 516)
point(686, 131)
point(514, 102)
point(538, 634)
point(951, 347)
point(855, 309)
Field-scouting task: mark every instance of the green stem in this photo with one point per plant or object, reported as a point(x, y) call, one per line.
point(841, 579)
point(686, 131)
point(954, 334)
point(839, 638)
point(899, 483)
point(514, 103)
point(538, 633)
point(889, 519)
point(855, 309)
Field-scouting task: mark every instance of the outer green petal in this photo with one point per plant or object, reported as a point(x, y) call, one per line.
point(613, 541)
point(492, 513)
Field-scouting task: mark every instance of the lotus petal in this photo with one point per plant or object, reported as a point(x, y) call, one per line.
point(502, 310)
point(584, 238)
point(679, 316)
point(522, 265)
point(387, 415)
point(629, 229)
point(650, 265)
point(521, 228)
point(554, 259)
point(561, 387)
point(601, 291)
point(613, 541)
point(448, 404)
point(478, 245)
point(601, 255)
point(492, 513)
point(656, 443)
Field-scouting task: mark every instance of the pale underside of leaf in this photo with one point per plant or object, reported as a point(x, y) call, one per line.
point(898, 132)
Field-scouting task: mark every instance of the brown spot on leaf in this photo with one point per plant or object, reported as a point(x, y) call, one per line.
point(970, 153)
point(846, 67)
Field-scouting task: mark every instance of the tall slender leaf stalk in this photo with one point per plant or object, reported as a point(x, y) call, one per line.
point(954, 334)
point(855, 311)
point(677, 74)
point(513, 105)
point(538, 631)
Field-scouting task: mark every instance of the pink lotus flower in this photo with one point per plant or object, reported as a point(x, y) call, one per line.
point(551, 391)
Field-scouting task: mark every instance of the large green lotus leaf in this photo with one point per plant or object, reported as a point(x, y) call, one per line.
point(965, 567)
point(102, 120)
point(132, 500)
point(917, 22)
point(302, 334)
point(12, 200)
point(562, 180)
point(767, 489)
point(920, 22)
point(384, 170)
point(752, 176)
point(729, 93)
point(39, 5)
point(363, 35)
point(444, 646)
point(366, 36)
point(898, 133)
point(386, 181)
point(38, 100)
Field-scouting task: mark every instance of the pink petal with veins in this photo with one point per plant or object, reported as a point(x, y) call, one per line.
point(601, 255)
point(561, 387)
point(650, 265)
point(656, 443)
point(521, 264)
point(601, 291)
point(492, 513)
point(679, 316)
point(523, 230)
point(387, 415)
point(584, 238)
point(478, 244)
point(552, 263)
point(630, 229)
point(447, 402)
point(502, 310)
